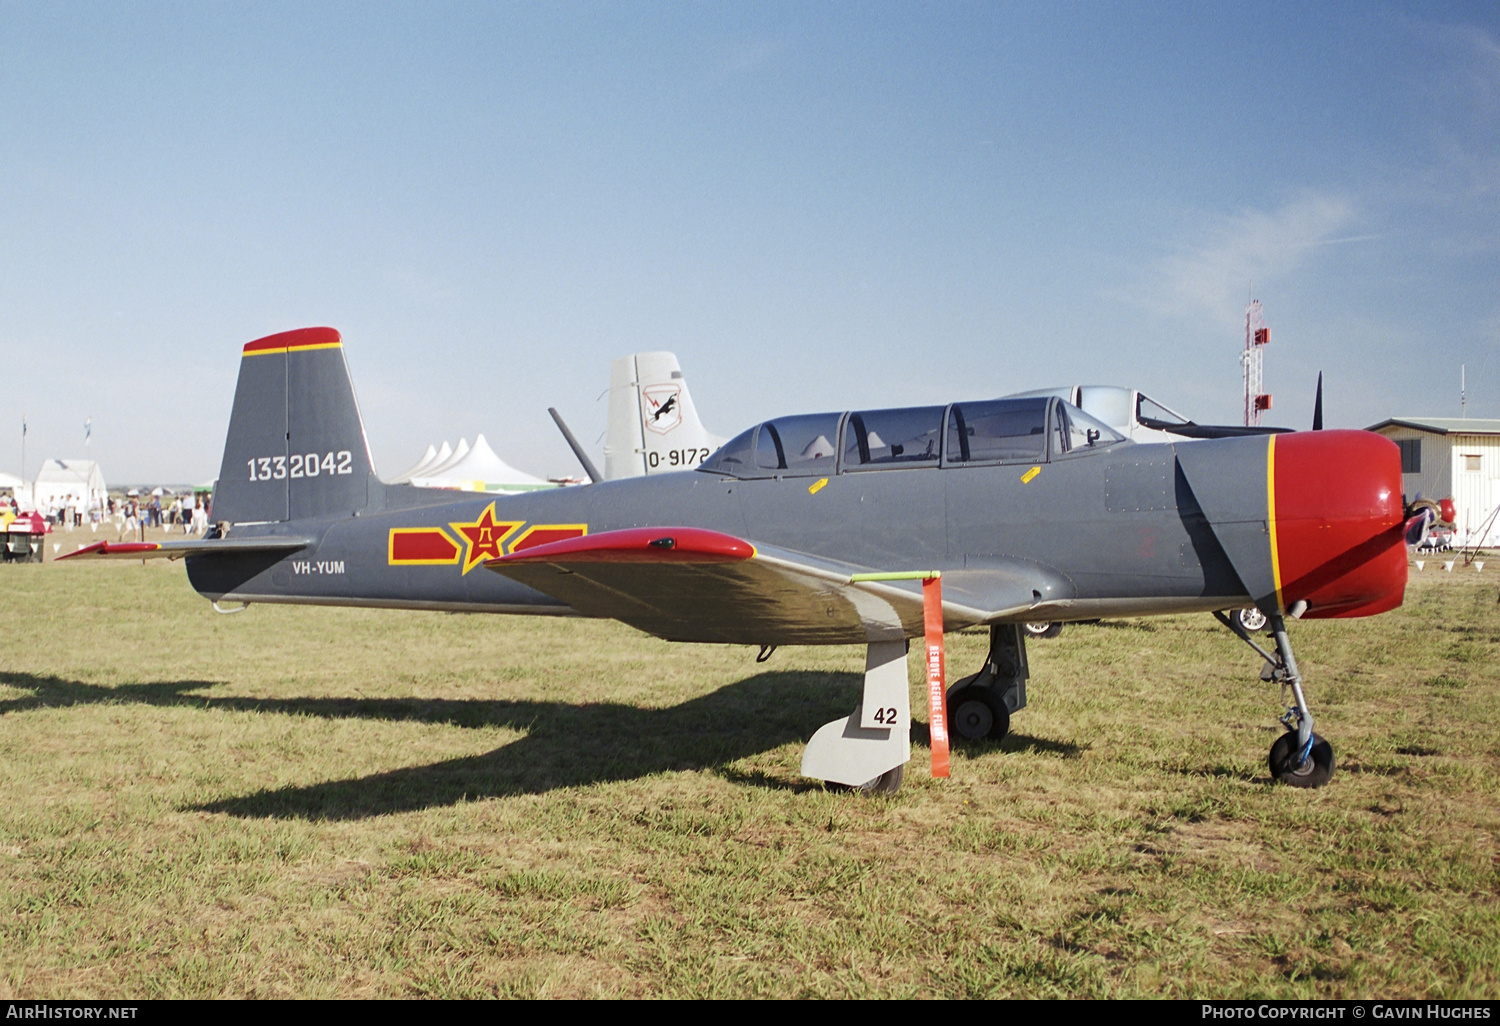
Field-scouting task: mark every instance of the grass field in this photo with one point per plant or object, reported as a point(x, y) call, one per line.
point(327, 802)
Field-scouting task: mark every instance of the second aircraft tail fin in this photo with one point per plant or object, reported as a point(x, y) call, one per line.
point(653, 424)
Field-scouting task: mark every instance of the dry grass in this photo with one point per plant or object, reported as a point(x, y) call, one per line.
point(361, 803)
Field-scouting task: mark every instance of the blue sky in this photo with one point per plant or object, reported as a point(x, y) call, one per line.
point(816, 206)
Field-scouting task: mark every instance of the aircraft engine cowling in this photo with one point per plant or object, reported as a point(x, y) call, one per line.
point(1306, 517)
point(1336, 522)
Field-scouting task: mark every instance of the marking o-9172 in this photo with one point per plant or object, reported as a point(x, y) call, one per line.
point(677, 457)
point(277, 468)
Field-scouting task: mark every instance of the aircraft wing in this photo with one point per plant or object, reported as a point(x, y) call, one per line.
point(691, 584)
point(196, 547)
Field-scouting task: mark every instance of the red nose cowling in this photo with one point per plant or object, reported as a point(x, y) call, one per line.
point(1338, 522)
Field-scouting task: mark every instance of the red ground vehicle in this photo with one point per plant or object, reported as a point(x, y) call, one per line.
point(23, 538)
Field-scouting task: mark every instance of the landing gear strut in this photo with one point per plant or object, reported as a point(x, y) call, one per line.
point(1299, 758)
point(979, 705)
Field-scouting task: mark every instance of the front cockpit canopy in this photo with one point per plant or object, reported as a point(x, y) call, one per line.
point(1032, 430)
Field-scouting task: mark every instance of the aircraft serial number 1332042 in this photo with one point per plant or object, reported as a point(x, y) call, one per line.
point(278, 468)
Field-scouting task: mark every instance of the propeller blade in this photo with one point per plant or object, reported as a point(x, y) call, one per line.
point(1318, 405)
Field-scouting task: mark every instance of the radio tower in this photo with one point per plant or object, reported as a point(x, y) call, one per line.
point(1257, 337)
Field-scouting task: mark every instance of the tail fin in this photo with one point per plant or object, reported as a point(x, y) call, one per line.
point(296, 445)
point(653, 425)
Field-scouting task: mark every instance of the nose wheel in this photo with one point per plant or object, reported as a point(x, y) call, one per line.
point(1299, 758)
point(1290, 767)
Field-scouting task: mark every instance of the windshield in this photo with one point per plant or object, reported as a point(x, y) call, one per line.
point(1150, 412)
point(1076, 431)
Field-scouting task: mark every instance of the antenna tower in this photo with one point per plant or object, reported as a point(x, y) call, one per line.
point(1257, 337)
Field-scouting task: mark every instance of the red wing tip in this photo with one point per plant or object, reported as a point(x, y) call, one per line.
point(300, 338)
point(105, 548)
point(637, 545)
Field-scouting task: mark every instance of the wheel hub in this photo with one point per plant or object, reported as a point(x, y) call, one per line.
point(973, 719)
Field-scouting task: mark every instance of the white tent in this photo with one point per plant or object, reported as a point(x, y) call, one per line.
point(440, 468)
point(76, 484)
point(17, 487)
point(480, 470)
point(429, 460)
point(430, 456)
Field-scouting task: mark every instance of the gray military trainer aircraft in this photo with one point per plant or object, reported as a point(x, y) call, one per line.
point(1030, 509)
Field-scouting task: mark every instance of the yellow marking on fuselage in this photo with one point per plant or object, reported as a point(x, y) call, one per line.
point(392, 560)
point(1271, 516)
point(813, 488)
point(1033, 472)
point(517, 546)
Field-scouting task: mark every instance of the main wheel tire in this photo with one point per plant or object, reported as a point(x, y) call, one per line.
point(1250, 620)
point(1315, 772)
point(1042, 629)
point(977, 714)
point(888, 782)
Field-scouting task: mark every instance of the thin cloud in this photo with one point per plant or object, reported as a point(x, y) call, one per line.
point(1212, 275)
point(748, 58)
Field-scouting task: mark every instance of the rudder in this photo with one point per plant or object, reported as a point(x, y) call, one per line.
point(296, 446)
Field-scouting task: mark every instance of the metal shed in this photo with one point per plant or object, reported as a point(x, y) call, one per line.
point(1442, 456)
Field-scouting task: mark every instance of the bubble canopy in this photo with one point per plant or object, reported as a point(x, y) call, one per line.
point(994, 431)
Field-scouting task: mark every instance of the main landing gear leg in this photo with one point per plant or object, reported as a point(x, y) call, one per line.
point(979, 705)
point(869, 748)
point(1299, 758)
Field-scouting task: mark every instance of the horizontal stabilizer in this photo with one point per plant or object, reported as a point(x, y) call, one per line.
point(181, 549)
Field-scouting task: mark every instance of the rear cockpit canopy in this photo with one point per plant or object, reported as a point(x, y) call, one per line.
point(995, 431)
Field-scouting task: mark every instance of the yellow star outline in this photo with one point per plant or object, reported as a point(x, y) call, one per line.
point(485, 537)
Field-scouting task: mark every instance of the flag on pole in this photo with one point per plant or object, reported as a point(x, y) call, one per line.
point(88, 430)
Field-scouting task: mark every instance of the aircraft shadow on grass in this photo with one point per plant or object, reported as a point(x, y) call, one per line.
point(565, 745)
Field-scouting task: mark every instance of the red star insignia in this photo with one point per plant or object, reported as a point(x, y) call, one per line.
point(485, 537)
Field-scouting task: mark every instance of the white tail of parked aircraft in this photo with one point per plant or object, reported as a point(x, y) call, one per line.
point(653, 425)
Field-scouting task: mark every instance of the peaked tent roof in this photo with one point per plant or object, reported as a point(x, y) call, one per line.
point(441, 467)
point(429, 456)
point(66, 472)
point(68, 479)
point(479, 466)
point(426, 464)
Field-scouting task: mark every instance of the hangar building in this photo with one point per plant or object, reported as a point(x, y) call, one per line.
point(1442, 456)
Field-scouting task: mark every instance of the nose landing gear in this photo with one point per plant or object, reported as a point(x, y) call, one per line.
point(1299, 758)
point(1314, 770)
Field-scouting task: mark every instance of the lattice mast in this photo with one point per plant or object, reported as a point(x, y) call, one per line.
point(1257, 337)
